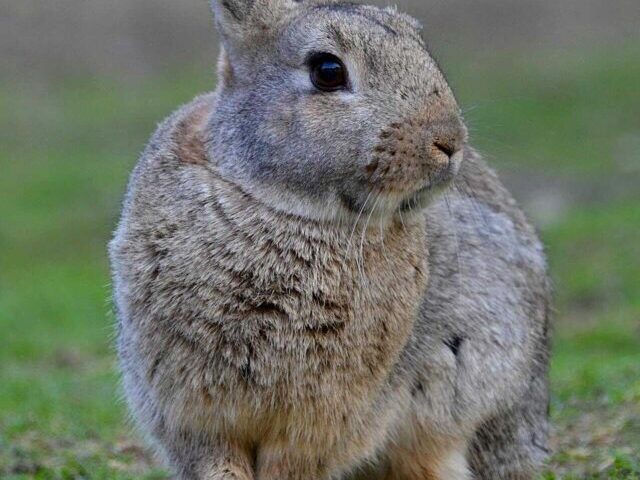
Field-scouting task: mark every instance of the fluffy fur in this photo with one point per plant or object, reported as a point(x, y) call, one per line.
point(329, 285)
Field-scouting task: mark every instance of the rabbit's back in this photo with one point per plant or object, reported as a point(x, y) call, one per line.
point(474, 371)
point(476, 364)
point(486, 306)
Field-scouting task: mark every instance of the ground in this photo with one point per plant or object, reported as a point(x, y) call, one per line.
point(565, 135)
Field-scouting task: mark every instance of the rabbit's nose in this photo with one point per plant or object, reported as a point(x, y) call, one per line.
point(443, 141)
point(446, 138)
point(446, 147)
point(419, 152)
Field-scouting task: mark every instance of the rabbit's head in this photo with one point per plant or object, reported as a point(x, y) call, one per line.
point(329, 109)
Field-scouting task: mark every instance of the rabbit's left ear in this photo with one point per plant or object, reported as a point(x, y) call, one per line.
point(242, 20)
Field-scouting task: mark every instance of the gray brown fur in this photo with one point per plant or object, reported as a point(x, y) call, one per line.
point(315, 286)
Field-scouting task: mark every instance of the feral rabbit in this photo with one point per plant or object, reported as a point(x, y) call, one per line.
point(316, 277)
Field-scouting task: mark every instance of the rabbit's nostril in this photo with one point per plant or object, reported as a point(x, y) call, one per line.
point(448, 149)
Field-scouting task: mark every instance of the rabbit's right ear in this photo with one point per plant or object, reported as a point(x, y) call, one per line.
point(240, 21)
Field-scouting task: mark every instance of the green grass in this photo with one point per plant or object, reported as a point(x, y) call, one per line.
point(572, 112)
point(65, 160)
point(65, 157)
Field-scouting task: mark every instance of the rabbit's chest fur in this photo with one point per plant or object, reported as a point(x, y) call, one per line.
point(247, 321)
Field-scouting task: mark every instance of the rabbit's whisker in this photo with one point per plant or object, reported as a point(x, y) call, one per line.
point(355, 224)
point(364, 234)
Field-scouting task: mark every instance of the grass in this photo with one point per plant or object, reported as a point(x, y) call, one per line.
point(596, 366)
point(66, 153)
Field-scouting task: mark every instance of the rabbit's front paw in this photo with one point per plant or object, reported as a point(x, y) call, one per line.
point(229, 468)
point(274, 464)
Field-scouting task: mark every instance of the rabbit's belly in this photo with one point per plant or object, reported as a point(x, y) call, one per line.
point(301, 399)
point(317, 382)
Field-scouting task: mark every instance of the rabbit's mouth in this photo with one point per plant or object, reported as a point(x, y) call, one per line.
point(408, 195)
point(416, 187)
point(434, 187)
point(424, 196)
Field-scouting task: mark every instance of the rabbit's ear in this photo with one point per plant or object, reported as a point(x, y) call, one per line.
point(240, 20)
point(230, 12)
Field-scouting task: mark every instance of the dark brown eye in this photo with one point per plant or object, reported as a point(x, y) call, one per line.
point(328, 73)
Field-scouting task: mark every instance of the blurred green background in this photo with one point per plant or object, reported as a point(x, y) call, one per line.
point(551, 91)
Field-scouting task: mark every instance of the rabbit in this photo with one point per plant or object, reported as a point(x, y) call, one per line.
point(317, 277)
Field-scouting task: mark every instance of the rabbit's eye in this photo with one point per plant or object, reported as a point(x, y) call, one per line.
point(328, 73)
